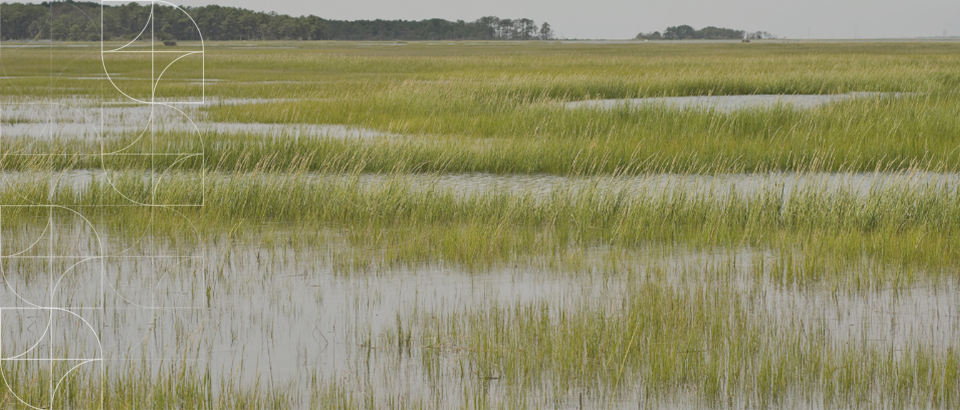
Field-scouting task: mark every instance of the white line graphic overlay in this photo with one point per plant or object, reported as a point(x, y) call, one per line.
point(69, 276)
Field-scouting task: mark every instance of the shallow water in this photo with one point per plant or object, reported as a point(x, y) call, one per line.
point(729, 103)
point(88, 119)
point(271, 313)
point(249, 312)
point(545, 185)
point(719, 184)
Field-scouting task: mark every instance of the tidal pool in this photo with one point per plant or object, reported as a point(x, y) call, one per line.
point(729, 103)
point(783, 184)
point(90, 120)
point(252, 313)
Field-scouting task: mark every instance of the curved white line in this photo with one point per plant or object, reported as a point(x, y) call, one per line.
point(134, 142)
point(67, 270)
point(46, 330)
point(168, 66)
point(143, 30)
point(7, 282)
point(202, 146)
point(68, 373)
point(160, 177)
point(103, 61)
point(13, 255)
point(14, 394)
point(199, 34)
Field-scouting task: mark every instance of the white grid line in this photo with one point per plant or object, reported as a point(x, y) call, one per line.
point(53, 210)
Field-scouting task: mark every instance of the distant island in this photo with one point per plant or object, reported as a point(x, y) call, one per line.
point(80, 21)
point(686, 32)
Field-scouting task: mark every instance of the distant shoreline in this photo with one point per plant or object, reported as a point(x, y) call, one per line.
point(503, 42)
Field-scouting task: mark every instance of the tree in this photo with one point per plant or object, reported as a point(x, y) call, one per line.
point(505, 29)
point(649, 36)
point(760, 35)
point(526, 29)
point(714, 33)
point(686, 32)
point(683, 32)
point(546, 33)
point(492, 21)
point(80, 21)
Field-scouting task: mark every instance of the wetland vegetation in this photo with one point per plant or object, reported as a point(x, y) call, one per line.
point(431, 226)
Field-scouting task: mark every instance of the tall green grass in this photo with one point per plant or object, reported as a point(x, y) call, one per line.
point(661, 343)
point(131, 387)
point(493, 108)
point(403, 220)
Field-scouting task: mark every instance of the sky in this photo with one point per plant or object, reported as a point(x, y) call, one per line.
point(622, 19)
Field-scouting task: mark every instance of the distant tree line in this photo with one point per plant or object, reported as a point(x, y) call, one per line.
point(686, 32)
point(80, 21)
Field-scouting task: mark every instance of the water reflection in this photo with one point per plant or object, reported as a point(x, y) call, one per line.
point(89, 119)
point(729, 103)
point(252, 313)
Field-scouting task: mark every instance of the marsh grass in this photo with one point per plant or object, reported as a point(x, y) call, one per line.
point(508, 121)
point(816, 231)
point(495, 108)
point(131, 388)
point(711, 342)
point(856, 136)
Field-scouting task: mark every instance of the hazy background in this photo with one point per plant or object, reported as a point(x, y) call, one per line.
point(620, 19)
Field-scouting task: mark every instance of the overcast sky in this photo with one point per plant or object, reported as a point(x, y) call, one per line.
point(619, 19)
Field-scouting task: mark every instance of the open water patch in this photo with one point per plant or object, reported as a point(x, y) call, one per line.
point(91, 120)
point(729, 103)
